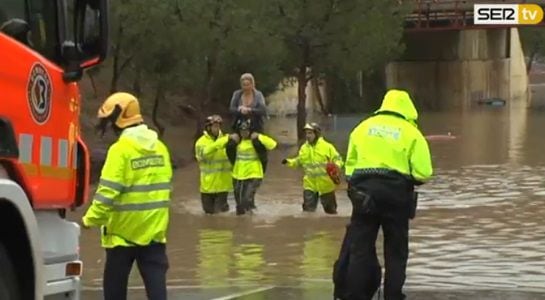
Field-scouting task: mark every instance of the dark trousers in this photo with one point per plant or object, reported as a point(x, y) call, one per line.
point(384, 203)
point(340, 272)
point(363, 275)
point(310, 201)
point(245, 191)
point(152, 263)
point(213, 203)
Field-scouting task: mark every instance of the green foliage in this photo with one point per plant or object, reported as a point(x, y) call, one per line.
point(533, 43)
point(347, 36)
point(337, 39)
point(533, 39)
point(344, 93)
point(199, 48)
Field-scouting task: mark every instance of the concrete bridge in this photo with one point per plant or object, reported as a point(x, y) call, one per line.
point(450, 62)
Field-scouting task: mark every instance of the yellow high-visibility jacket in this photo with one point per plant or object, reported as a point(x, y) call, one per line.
point(132, 200)
point(214, 165)
point(390, 140)
point(313, 159)
point(247, 163)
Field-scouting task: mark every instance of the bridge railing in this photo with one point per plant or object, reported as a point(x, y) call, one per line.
point(450, 14)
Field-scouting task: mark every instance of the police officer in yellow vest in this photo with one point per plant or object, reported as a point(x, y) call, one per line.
point(131, 204)
point(387, 156)
point(246, 150)
point(313, 157)
point(216, 180)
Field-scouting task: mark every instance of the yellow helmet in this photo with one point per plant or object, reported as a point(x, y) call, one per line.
point(130, 109)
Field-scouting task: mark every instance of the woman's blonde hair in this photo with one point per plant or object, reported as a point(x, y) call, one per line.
point(247, 76)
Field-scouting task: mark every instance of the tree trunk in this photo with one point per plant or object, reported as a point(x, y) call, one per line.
point(301, 95)
point(118, 66)
point(115, 74)
point(93, 83)
point(210, 69)
point(316, 87)
point(136, 84)
point(330, 92)
point(116, 58)
point(159, 95)
point(531, 62)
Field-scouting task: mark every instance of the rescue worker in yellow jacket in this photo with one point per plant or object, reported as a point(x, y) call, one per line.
point(246, 150)
point(132, 200)
point(314, 156)
point(216, 181)
point(387, 156)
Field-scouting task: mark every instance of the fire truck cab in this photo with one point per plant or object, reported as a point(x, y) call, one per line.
point(45, 46)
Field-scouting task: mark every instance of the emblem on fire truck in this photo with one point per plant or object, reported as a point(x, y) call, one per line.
point(39, 93)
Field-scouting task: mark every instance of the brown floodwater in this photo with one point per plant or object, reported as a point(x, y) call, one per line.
point(480, 223)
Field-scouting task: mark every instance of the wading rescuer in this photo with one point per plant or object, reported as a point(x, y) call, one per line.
point(246, 151)
point(131, 204)
point(317, 156)
point(216, 181)
point(387, 156)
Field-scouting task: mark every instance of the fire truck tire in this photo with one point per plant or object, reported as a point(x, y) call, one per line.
point(8, 280)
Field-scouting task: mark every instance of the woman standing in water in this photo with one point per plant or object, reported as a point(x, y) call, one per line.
point(248, 103)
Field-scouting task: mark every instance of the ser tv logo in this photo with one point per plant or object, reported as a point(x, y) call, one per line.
point(507, 14)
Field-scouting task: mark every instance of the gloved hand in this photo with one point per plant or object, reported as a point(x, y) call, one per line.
point(284, 161)
point(234, 137)
point(254, 135)
point(334, 172)
point(82, 225)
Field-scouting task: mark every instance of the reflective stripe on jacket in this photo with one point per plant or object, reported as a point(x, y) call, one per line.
point(214, 166)
point(133, 196)
point(313, 159)
point(247, 163)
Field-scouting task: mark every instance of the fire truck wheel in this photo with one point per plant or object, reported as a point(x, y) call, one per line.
point(8, 281)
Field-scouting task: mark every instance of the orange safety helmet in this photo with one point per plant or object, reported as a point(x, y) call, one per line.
point(129, 109)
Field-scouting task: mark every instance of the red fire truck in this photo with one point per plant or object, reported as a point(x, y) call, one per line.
point(45, 45)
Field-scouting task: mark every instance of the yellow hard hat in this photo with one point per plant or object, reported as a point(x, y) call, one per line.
point(130, 109)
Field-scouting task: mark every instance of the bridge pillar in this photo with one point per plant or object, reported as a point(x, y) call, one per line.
point(456, 69)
